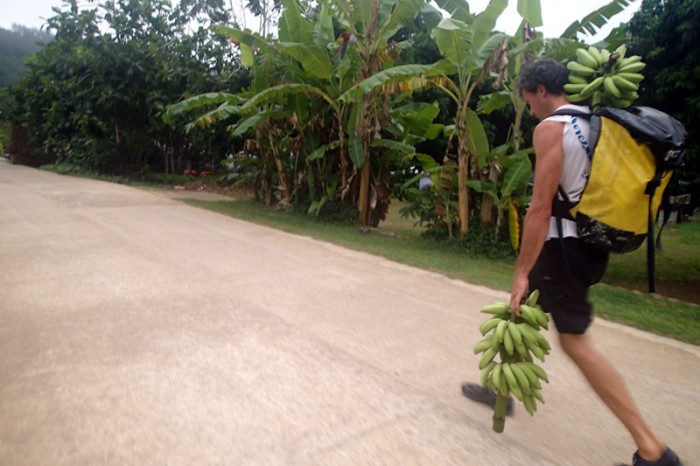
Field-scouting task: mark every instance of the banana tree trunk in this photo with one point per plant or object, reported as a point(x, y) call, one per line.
point(284, 185)
point(463, 189)
point(286, 194)
point(463, 193)
point(488, 202)
point(369, 67)
point(363, 202)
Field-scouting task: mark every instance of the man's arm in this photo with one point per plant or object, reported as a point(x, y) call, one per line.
point(549, 156)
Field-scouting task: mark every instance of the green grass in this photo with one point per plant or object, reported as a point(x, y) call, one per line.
point(663, 316)
point(658, 315)
point(677, 264)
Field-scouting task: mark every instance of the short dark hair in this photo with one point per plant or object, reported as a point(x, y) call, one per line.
point(546, 72)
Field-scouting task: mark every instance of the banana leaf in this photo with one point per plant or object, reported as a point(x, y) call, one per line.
point(221, 113)
point(402, 13)
point(313, 59)
point(476, 135)
point(531, 11)
point(395, 74)
point(349, 66)
point(431, 16)
point(265, 72)
point(282, 91)
point(339, 11)
point(516, 177)
point(484, 187)
point(485, 23)
point(323, 31)
point(355, 151)
point(492, 102)
point(486, 51)
point(416, 117)
point(555, 48)
point(395, 146)
point(317, 154)
point(292, 27)
point(247, 124)
point(453, 39)
point(591, 23)
point(428, 162)
point(457, 9)
point(247, 41)
point(361, 12)
point(201, 100)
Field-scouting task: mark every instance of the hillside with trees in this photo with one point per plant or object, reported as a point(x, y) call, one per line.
point(16, 44)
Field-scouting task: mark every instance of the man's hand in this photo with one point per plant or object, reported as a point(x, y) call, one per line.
point(519, 290)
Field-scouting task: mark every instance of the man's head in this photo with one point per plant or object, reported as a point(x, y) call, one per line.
point(541, 84)
point(548, 73)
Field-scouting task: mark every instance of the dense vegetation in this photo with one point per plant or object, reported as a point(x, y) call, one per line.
point(342, 108)
point(93, 97)
point(666, 35)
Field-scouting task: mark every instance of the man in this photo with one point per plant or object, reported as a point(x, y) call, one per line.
point(564, 269)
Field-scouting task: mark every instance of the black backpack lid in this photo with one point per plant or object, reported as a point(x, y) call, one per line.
point(664, 135)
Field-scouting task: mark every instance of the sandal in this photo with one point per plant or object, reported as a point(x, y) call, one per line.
point(669, 458)
point(487, 396)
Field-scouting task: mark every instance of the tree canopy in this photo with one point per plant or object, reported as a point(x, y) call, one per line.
point(93, 96)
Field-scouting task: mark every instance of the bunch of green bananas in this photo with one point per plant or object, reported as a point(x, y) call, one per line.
point(599, 77)
point(515, 340)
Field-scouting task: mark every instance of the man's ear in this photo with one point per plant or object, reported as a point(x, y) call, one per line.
point(541, 90)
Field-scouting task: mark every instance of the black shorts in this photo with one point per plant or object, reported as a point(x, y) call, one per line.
point(563, 284)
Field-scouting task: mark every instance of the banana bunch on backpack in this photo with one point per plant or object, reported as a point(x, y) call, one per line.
point(603, 78)
point(507, 364)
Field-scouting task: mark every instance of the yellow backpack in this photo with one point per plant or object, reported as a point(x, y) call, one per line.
point(633, 153)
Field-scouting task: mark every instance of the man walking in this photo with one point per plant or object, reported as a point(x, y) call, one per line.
point(563, 269)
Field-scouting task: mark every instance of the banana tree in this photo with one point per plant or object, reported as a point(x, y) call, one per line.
point(332, 71)
point(292, 93)
point(372, 24)
point(507, 67)
point(467, 43)
point(508, 194)
point(307, 80)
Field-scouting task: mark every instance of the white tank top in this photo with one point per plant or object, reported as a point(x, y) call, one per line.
point(576, 165)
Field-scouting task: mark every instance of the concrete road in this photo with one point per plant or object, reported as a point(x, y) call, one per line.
point(135, 329)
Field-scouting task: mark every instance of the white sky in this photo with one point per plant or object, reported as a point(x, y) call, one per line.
point(556, 14)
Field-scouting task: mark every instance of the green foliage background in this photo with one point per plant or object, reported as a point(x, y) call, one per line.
point(665, 33)
point(295, 115)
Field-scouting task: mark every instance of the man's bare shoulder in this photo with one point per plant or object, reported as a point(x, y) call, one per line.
point(549, 125)
point(548, 131)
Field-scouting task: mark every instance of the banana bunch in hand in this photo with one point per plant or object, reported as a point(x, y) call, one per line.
point(602, 78)
point(508, 350)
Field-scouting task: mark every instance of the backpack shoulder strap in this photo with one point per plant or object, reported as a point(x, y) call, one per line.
point(560, 207)
point(572, 112)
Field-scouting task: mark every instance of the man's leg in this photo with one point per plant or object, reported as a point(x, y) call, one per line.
point(610, 387)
